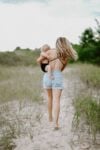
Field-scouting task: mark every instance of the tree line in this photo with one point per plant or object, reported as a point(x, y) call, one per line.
point(88, 50)
point(89, 47)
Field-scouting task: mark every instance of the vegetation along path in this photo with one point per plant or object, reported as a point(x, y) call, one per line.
point(34, 132)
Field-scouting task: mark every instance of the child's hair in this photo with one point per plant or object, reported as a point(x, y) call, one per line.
point(45, 48)
point(65, 49)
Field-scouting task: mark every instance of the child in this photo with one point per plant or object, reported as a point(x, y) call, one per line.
point(44, 62)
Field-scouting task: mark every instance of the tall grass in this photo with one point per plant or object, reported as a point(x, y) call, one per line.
point(19, 57)
point(18, 83)
point(88, 109)
point(20, 86)
point(87, 103)
point(90, 74)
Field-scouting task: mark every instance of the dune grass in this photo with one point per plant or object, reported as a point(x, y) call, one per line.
point(20, 83)
point(20, 87)
point(87, 102)
point(88, 109)
point(20, 57)
point(90, 74)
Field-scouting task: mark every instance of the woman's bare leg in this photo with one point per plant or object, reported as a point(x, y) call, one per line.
point(50, 106)
point(56, 99)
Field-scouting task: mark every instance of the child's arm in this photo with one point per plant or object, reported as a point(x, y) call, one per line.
point(43, 54)
point(41, 58)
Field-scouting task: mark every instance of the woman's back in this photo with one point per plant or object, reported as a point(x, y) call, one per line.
point(54, 61)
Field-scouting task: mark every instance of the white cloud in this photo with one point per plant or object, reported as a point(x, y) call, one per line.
point(33, 24)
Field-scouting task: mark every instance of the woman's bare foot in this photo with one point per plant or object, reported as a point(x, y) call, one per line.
point(50, 119)
point(56, 127)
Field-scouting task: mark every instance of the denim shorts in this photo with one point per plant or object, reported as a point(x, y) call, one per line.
point(55, 83)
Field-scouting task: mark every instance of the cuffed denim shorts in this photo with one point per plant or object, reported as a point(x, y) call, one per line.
point(55, 83)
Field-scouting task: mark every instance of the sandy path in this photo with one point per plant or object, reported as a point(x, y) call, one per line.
point(49, 139)
point(44, 137)
point(36, 133)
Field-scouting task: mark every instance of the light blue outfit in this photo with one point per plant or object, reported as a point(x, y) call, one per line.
point(55, 83)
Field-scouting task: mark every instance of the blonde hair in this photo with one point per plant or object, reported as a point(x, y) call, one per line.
point(65, 49)
point(45, 48)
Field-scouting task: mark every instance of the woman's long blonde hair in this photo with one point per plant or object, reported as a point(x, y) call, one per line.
point(65, 49)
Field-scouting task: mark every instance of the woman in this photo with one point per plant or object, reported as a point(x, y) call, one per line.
point(58, 59)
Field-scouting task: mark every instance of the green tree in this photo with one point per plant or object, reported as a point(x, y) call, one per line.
point(89, 48)
point(87, 37)
point(17, 48)
point(97, 31)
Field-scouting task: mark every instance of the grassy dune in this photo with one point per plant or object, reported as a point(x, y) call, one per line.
point(87, 103)
point(20, 87)
point(20, 83)
point(21, 57)
point(24, 83)
point(90, 74)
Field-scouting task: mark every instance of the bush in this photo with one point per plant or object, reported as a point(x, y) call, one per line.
point(19, 57)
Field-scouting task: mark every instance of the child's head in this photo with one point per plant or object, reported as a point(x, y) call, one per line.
point(45, 48)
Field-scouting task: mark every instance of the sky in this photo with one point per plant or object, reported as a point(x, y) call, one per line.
point(32, 23)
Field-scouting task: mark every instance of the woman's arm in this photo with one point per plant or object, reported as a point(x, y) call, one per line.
point(64, 62)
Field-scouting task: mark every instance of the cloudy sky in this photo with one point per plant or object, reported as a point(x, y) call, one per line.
point(32, 23)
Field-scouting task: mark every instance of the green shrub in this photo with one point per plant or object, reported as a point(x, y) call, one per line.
point(19, 57)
